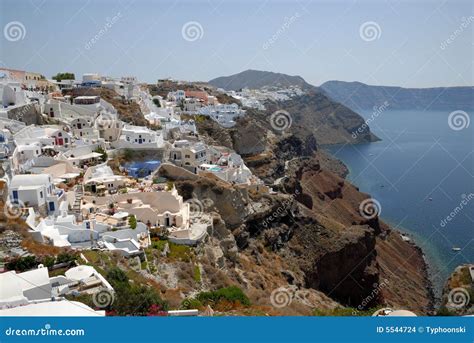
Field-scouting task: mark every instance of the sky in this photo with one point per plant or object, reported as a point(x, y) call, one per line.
point(401, 43)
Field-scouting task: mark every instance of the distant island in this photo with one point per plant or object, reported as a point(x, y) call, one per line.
point(359, 96)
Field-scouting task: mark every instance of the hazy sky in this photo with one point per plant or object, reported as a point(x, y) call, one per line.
point(405, 43)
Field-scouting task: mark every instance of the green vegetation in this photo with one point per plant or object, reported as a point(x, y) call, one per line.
point(132, 299)
point(197, 273)
point(180, 252)
point(158, 244)
point(169, 185)
point(102, 151)
point(132, 222)
point(189, 304)
point(22, 264)
point(64, 76)
point(232, 294)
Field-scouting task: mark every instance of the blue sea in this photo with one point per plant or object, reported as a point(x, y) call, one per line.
point(422, 173)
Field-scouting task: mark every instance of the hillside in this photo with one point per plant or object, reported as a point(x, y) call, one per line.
point(359, 96)
point(254, 79)
point(329, 121)
point(318, 226)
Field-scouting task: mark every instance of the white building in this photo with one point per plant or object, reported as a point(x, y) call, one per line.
point(102, 176)
point(139, 137)
point(34, 293)
point(176, 96)
point(47, 135)
point(224, 114)
point(189, 155)
point(37, 191)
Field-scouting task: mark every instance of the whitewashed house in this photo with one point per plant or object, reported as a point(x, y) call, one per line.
point(139, 137)
point(188, 155)
point(177, 95)
point(102, 176)
point(37, 191)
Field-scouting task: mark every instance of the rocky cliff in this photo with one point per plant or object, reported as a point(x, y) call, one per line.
point(310, 235)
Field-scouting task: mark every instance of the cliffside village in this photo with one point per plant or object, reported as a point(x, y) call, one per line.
point(57, 179)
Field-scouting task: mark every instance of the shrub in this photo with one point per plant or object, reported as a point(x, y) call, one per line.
point(189, 304)
point(231, 293)
point(22, 264)
point(132, 221)
point(133, 300)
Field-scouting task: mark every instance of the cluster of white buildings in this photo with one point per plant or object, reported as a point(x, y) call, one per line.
point(35, 293)
point(255, 98)
point(58, 172)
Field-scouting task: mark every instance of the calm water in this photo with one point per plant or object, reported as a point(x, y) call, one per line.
point(420, 172)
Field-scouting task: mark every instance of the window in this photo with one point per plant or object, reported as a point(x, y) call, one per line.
point(41, 194)
point(15, 195)
point(51, 206)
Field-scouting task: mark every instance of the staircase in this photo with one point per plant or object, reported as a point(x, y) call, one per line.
point(76, 208)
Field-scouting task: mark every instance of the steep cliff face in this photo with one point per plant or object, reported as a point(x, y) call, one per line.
point(313, 224)
point(330, 121)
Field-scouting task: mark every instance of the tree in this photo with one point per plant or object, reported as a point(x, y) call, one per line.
point(64, 76)
point(132, 221)
point(100, 150)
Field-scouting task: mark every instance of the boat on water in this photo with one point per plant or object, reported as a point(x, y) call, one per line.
point(456, 249)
